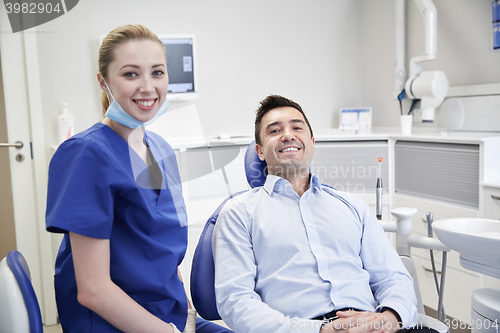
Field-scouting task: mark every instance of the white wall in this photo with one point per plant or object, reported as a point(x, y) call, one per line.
point(305, 50)
point(463, 51)
point(325, 54)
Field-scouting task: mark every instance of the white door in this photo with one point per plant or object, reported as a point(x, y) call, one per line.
point(24, 123)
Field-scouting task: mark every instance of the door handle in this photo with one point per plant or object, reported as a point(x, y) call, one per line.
point(495, 197)
point(17, 144)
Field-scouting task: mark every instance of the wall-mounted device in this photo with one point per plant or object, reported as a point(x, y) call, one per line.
point(181, 66)
point(430, 87)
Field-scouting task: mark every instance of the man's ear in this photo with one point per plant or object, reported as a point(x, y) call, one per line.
point(258, 149)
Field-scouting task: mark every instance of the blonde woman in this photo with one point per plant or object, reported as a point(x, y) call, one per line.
point(115, 191)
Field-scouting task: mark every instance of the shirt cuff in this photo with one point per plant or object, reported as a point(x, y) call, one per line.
point(386, 308)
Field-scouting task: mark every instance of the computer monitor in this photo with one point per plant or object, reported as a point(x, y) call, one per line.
point(181, 66)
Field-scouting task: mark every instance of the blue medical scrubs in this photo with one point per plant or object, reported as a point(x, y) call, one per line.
point(99, 187)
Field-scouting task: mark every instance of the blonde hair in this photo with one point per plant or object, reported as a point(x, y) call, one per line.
point(115, 38)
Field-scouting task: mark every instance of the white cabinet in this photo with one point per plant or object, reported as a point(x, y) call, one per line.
point(446, 178)
point(492, 203)
point(353, 166)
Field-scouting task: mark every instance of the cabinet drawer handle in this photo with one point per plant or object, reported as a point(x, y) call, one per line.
point(495, 197)
point(430, 270)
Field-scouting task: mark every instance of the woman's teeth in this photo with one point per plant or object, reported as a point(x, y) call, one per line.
point(145, 103)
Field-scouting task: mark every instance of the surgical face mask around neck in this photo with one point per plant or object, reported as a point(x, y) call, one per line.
point(116, 113)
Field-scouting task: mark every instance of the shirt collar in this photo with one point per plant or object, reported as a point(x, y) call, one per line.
point(315, 183)
point(272, 181)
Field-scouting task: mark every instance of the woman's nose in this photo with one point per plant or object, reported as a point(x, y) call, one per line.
point(146, 85)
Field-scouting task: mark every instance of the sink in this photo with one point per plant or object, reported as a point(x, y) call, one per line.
point(477, 240)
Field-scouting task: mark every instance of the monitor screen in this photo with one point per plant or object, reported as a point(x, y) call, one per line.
point(181, 66)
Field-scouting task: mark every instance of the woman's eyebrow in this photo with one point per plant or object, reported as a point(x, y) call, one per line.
point(138, 67)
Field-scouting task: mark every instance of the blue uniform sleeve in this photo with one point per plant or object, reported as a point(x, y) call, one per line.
point(80, 195)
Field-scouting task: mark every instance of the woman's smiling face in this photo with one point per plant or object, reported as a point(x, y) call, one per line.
point(138, 78)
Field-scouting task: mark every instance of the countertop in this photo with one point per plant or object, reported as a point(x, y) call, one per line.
point(418, 134)
point(495, 184)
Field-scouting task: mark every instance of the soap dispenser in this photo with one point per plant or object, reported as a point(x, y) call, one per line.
point(65, 124)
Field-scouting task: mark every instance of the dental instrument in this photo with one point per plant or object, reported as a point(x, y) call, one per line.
point(379, 189)
point(413, 102)
point(400, 99)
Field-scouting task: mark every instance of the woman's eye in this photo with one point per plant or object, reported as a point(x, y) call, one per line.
point(158, 73)
point(130, 74)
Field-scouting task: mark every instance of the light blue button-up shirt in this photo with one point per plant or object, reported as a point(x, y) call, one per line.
point(281, 259)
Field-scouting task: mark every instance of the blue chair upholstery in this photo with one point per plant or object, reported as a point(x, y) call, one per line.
point(18, 300)
point(255, 169)
point(202, 269)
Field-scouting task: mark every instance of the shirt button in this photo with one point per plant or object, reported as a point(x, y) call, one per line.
point(309, 224)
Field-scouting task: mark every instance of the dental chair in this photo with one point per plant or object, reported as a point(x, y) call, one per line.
point(19, 309)
point(203, 270)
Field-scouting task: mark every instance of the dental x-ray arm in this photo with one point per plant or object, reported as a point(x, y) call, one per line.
point(429, 16)
point(430, 87)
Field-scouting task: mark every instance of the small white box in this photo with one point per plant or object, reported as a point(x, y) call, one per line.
point(355, 118)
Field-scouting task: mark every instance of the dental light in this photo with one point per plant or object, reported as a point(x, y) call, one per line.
point(430, 87)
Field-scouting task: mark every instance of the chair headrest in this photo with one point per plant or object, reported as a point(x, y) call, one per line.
point(255, 169)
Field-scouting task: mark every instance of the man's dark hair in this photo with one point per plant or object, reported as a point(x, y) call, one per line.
point(272, 102)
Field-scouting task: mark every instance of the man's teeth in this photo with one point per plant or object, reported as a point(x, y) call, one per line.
point(145, 103)
point(290, 149)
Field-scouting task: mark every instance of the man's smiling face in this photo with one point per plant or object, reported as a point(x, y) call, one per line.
point(286, 142)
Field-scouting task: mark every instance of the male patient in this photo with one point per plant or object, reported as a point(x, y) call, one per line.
point(297, 256)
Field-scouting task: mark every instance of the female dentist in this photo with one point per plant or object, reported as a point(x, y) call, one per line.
point(115, 191)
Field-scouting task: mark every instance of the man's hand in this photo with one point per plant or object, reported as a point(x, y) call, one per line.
point(362, 322)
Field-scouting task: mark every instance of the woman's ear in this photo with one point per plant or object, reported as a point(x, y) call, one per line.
point(102, 83)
